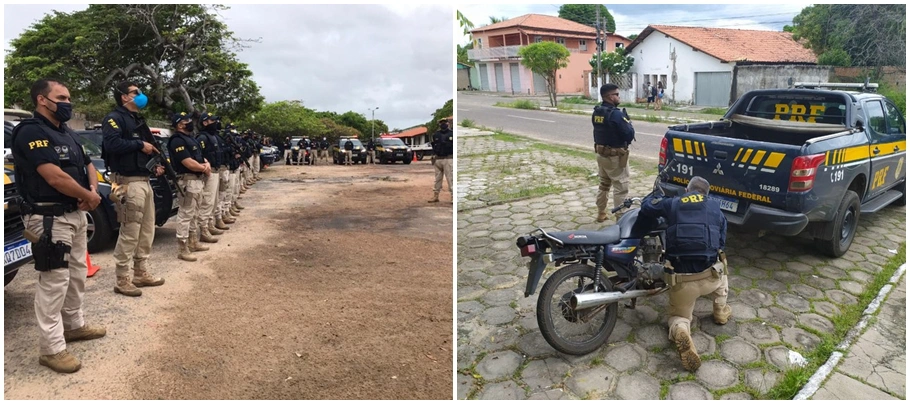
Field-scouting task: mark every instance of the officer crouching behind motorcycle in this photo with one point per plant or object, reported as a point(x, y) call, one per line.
point(697, 265)
point(58, 184)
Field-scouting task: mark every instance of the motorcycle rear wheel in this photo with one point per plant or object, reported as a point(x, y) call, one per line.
point(560, 325)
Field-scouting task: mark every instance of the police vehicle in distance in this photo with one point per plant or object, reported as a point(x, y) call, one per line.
point(811, 158)
point(392, 149)
point(17, 251)
point(359, 154)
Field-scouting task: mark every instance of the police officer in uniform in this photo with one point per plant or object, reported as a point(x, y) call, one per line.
point(697, 265)
point(324, 149)
point(257, 149)
point(192, 170)
point(58, 184)
point(127, 157)
point(348, 150)
point(371, 150)
point(287, 150)
point(213, 151)
point(235, 164)
point(443, 147)
point(613, 132)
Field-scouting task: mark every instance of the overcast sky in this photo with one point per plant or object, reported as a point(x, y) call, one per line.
point(633, 18)
point(333, 58)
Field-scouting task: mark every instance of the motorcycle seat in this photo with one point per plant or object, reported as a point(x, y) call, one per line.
point(586, 237)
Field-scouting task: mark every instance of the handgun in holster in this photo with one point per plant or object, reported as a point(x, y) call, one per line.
point(48, 254)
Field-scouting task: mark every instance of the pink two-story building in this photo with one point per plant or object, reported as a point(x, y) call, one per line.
point(496, 46)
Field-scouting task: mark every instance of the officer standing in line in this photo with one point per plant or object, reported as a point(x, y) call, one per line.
point(287, 150)
point(697, 265)
point(613, 132)
point(191, 168)
point(308, 149)
point(237, 166)
point(257, 150)
point(443, 148)
point(58, 183)
point(128, 156)
point(213, 151)
point(228, 167)
point(348, 151)
point(371, 150)
point(324, 149)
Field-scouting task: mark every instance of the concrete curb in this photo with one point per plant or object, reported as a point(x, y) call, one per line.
point(822, 373)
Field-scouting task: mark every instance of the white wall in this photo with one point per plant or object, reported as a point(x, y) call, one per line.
point(652, 57)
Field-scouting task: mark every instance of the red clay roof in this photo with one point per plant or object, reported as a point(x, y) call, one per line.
point(539, 21)
point(736, 45)
point(420, 130)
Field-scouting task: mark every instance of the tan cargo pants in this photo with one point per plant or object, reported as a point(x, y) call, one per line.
point(443, 168)
point(613, 172)
point(188, 215)
point(347, 157)
point(58, 297)
point(137, 221)
point(225, 193)
point(255, 165)
point(208, 206)
point(684, 294)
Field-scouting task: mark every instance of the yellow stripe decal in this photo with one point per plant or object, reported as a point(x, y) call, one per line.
point(856, 153)
point(677, 145)
point(6, 180)
point(774, 160)
point(688, 147)
point(827, 158)
point(740, 152)
point(746, 157)
point(704, 149)
point(758, 156)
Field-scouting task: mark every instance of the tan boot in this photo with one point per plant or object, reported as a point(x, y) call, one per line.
point(239, 206)
point(61, 362)
point(193, 243)
point(602, 217)
point(435, 198)
point(228, 218)
point(722, 314)
point(142, 277)
point(220, 225)
point(234, 212)
point(686, 348)
point(205, 236)
point(126, 288)
point(183, 250)
point(214, 230)
point(85, 333)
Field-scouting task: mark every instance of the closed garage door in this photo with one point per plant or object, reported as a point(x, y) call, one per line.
point(516, 79)
point(540, 84)
point(500, 78)
point(484, 79)
point(712, 89)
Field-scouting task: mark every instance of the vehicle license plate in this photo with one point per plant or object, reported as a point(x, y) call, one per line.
point(730, 205)
point(16, 252)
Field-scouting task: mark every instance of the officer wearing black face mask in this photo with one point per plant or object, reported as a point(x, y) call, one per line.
point(58, 184)
point(212, 150)
point(443, 148)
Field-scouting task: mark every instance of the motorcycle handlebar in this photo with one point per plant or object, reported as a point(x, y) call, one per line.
point(626, 204)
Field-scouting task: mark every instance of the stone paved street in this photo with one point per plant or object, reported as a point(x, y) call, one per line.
point(783, 291)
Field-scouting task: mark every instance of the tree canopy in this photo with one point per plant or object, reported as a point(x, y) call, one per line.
point(854, 34)
point(586, 14)
point(545, 58)
point(181, 55)
point(444, 112)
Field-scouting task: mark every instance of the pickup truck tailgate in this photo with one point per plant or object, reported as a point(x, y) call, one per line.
point(741, 172)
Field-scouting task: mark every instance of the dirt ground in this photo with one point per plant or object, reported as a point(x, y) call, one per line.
point(335, 283)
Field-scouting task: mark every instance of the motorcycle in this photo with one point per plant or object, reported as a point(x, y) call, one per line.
point(578, 304)
point(308, 157)
point(295, 155)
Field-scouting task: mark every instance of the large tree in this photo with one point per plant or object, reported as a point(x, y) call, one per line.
point(869, 34)
point(616, 62)
point(182, 55)
point(545, 59)
point(284, 118)
point(586, 14)
point(444, 112)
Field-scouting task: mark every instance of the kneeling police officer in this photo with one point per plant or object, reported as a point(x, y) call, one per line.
point(58, 184)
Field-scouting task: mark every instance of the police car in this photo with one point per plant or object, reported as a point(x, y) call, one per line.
point(359, 154)
point(391, 149)
point(17, 251)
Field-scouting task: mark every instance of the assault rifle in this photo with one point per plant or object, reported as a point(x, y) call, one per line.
point(235, 148)
point(159, 159)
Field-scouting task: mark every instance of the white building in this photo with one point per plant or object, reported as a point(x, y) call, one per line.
point(698, 65)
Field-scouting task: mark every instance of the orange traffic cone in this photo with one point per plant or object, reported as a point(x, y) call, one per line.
point(415, 157)
point(91, 268)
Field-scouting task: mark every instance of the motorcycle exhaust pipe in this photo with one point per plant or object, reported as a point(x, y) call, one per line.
point(588, 300)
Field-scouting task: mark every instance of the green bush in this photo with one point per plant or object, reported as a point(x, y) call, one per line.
point(897, 95)
point(525, 104)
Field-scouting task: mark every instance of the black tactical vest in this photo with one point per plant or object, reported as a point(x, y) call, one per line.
point(32, 186)
point(693, 227)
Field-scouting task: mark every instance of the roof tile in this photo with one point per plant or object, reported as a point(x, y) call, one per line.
point(736, 45)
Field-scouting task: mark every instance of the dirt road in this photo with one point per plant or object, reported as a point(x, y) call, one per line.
point(335, 283)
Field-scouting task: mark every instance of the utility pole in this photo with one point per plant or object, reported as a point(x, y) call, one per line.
point(372, 121)
point(597, 43)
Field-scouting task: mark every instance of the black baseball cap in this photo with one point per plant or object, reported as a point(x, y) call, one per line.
point(178, 117)
point(209, 117)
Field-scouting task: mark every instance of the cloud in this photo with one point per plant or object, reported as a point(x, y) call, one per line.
point(333, 58)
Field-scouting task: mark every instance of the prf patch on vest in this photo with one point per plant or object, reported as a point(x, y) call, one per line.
point(37, 144)
point(695, 198)
point(180, 149)
point(598, 119)
point(112, 123)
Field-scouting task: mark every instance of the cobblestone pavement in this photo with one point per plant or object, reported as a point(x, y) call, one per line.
point(783, 292)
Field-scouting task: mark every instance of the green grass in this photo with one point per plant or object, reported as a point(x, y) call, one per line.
point(579, 100)
point(795, 379)
point(467, 123)
point(597, 361)
point(568, 151)
point(505, 137)
point(519, 104)
point(713, 111)
point(528, 193)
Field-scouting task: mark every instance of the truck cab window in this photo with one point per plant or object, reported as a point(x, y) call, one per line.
point(876, 123)
point(896, 125)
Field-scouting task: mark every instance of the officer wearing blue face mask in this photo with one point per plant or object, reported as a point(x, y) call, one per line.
point(127, 156)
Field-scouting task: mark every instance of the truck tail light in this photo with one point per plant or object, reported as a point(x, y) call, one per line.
point(802, 175)
point(663, 152)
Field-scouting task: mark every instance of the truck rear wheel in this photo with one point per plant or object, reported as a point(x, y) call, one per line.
point(844, 226)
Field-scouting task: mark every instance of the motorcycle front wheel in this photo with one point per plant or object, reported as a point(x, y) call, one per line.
point(574, 332)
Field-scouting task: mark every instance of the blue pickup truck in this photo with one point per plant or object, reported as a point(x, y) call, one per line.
point(807, 159)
